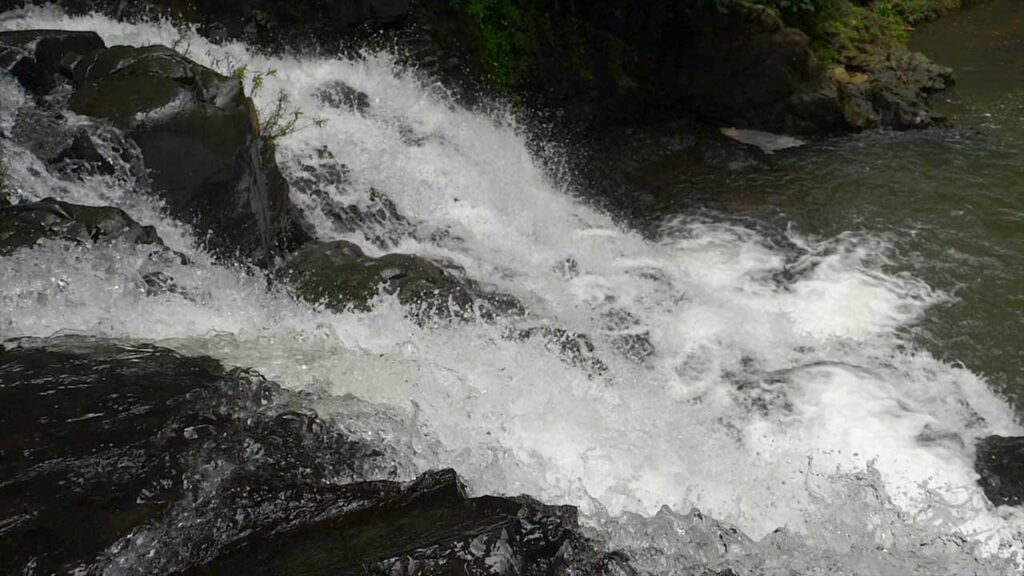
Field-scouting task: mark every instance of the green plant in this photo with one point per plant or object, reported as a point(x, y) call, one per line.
point(509, 36)
point(837, 27)
point(280, 118)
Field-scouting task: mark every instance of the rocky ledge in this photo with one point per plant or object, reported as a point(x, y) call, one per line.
point(999, 461)
point(131, 459)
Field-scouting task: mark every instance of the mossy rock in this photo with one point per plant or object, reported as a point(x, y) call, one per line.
point(340, 276)
point(24, 225)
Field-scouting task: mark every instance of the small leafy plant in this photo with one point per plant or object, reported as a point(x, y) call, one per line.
point(280, 118)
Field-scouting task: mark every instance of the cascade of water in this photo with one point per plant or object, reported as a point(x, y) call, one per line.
point(764, 382)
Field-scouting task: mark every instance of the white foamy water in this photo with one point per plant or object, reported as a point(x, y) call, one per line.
point(776, 389)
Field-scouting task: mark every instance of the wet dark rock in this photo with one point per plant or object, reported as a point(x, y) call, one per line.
point(741, 65)
point(110, 439)
point(322, 178)
point(340, 95)
point(23, 225)
point(44, 133)
point(429, 527)
point(572, 347)
point(79, 148)
point(199, 138)
point(133, 459)
point(339, 275)
point(889, 89)
point(43, 59)
point(999, 461)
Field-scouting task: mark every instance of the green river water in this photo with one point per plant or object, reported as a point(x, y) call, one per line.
point(950, 200)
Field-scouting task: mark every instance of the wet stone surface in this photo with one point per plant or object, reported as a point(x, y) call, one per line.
point(1000, 464)
point(24, 225)
point(132, 459)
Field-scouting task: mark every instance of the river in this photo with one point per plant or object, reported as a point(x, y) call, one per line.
point(808, 356)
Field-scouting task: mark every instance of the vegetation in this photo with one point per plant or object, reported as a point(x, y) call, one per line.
point(508, 37)
point(280, 118)
point(513, 40)
point(837, 27)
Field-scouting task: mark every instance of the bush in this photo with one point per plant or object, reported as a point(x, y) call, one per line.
point(838, 26)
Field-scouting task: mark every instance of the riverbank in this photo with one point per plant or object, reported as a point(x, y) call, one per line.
point(820, 66)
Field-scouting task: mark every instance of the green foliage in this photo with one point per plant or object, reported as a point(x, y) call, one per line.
point(800, 8)
point(837, 27)
point(280, 118)
point(914, 11)
point(509, 35)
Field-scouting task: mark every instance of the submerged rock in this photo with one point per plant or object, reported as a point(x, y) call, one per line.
point(339, 95)
point(133, 459)
point(999, 461)
point(24, 225)
point(339, 275)
point(74, 147)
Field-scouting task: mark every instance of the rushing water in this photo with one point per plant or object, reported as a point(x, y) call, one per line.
point(795, 372)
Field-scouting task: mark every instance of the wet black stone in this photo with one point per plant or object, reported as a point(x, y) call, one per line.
point(132, 459)
point(200, 141)
point(23, 225)
point(340, 95)
point(323, 178)
point(339, 275)
point(999, 461)
point(42, 59)
point(429, 527)
point(110, 437)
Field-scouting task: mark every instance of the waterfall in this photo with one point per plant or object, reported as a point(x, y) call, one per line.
point(768, 381)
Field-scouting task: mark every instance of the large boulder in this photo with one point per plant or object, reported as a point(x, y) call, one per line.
point(199, 137)
point(999, 461)
point(131, 459)
point(889, 88)
point(24, 225)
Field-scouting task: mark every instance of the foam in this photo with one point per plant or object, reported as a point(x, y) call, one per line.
point(774, 363)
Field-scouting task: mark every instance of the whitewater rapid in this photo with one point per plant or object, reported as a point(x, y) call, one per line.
point(773, 386)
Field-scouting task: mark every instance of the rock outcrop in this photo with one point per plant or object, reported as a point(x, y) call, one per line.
point(24, 225)
point(339, 275)
point(888, 89)
point(131, 458)
point(999, 461)
point(197, 132)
